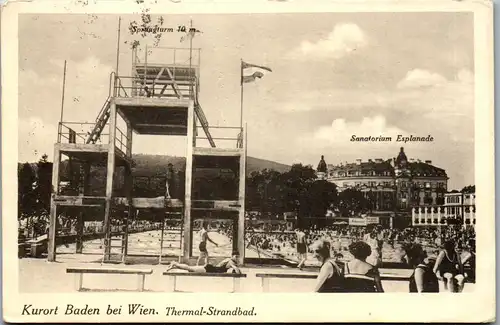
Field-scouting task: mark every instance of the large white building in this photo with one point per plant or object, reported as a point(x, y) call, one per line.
point(458, 208)
point(396, 184)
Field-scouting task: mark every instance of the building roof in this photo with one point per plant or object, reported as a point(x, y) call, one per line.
point(369, 165)
point(420, 169)
point(379, 166)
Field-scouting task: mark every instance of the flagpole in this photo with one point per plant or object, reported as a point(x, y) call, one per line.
point(118, 45)
point(62, 103)
point(241, 96)
point(190, 59)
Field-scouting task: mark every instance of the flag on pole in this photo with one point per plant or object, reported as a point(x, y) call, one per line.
point(245, 65)
point(253, 76)
point(189, 35)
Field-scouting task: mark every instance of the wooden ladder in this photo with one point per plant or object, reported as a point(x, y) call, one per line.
point(176, 215)
point(101, 121)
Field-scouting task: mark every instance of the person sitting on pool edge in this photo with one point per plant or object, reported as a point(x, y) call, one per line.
point(423, 279)
point(330, 275)
point(228, 265)
point(360, 276)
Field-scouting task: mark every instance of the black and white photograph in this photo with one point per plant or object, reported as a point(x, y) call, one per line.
point(163, 152)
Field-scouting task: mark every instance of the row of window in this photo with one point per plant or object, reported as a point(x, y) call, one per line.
point(402, 184)
point(358, 173)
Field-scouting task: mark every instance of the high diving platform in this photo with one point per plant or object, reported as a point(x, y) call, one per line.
point(160, 99)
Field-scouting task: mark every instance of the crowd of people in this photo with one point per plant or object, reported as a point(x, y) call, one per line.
point(360, 272)
point(359, 275)
point(340, 237)
point(349, 256)
point(436, 254)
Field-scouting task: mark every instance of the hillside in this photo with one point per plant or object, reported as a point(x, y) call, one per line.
point(148, 165)
point(156, 165)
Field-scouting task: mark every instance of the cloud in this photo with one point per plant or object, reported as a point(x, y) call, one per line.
point(342, 40)
point(341, 131)
point(418, 78)
point(441, 98)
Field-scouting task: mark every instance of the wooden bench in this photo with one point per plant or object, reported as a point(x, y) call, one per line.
point(79, 271)
point(267, 276)
point(236, 277)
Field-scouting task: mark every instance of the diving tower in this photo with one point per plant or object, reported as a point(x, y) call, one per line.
point(159, 99)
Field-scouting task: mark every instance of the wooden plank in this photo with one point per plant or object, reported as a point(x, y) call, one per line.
point(130, 133)
point(241, 202)
point(151, 102)
point(383, 276)
point(158, 76)
point(107, 270)
point(80, 224)
point(51, 247)
point(216, 275)
point(174, 85)
point(163, 89)
point(225, 152)
point(187, 247)
point(109, 178)
point(152, 203)
point(81, 147)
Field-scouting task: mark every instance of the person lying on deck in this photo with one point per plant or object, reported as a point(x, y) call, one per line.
point(228, 265)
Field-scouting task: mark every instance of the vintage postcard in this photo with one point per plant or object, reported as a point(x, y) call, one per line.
point(226, 161)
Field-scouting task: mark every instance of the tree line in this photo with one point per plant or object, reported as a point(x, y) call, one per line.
point(269, 192)
point(298, 190)
point(34, 194)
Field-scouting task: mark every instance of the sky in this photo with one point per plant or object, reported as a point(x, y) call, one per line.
point(334, 75)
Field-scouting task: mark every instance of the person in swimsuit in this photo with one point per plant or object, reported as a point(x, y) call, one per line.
point(203, 243)
point(372, 239)
point(330, 274)
point(449, 268)
point(423, 278)
point(360, 276)
point(228, 265)
point(169, 183)
point(470, 260)
point(301, 247)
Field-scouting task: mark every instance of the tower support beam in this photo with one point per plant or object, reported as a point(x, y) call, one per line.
point(109, 181)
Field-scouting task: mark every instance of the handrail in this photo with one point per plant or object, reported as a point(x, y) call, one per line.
point(103, 108)
point(62, 133)
point(121, 86)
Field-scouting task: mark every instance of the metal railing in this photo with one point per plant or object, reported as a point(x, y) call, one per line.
point(220, 133)
point(121, 141)
point(67, 132)
point(136, 87)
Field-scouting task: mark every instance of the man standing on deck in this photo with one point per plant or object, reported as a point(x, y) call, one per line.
point(170, 188)
point(301, 247)
point(203, 243)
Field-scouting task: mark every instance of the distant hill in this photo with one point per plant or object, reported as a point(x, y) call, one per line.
point(157, 164)
point(148, 165)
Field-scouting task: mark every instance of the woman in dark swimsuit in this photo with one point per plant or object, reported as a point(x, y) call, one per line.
point(360, 276)
point(225, 266)
point(422, 279)
point(329, 278)
point(449, 268)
